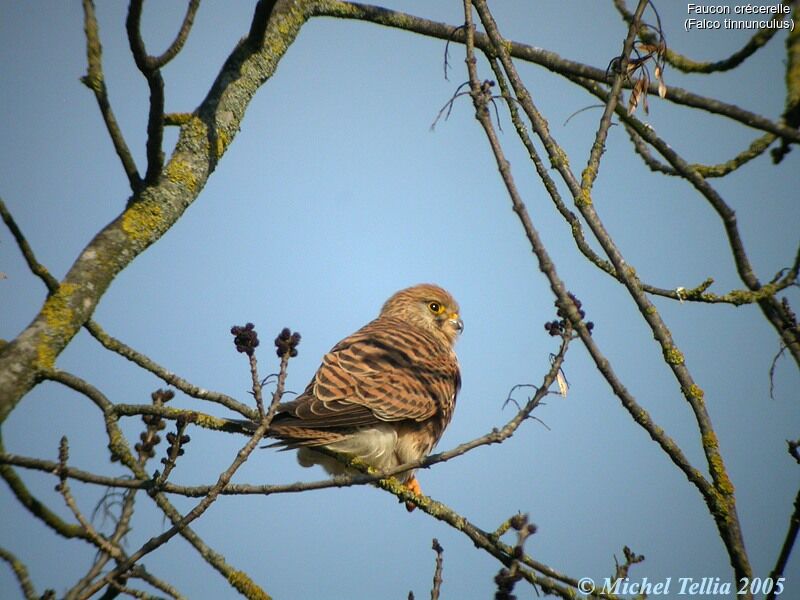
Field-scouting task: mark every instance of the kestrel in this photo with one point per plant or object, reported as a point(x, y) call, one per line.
point(383, 394)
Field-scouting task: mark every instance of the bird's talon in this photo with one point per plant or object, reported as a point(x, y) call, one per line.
point(413, 485)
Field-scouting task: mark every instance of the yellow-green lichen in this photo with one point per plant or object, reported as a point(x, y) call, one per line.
point(178, 171)
point(178, 119)
point(142, 219)
point(710, 441)
point(584, 198)
point(718, 473)
point(222, 142)
point(195, 128)
point(559, 159)
point(696, 392)
point(118, 446)
point(58, 317)
point(588, 176)
point(248, 588)
point(45, 355)
point(673, 356)
point(208, 422)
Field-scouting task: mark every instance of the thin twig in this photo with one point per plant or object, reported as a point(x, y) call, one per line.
point(63, 488)
point(27, 252)
point(688, 65)
point(437, 572)
point(34, 505)
point(772, 309)
point(120, 450)
point(197, 511)
point(773, 365)
point(786, 549)
point(180, 39)
point(756, 148)
point(256, 386)
point(205, 503)
point(598, 147)
point(115, 345)
point(719, 497)
point(150, 69)
point(21, 573)
point(545, 58)
point(95, 81)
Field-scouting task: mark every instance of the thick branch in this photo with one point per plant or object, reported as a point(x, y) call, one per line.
point(154, 209)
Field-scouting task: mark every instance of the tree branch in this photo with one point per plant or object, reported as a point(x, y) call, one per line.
point(754, 150)
point(121, 451)
point(719, 497)
point(545, 58)
point(772, 309)
point(176, 46)
point(223, 480)
point(27, 252)
point(150, 69)
point(786, 549)
point(95, 81)
point(154, 209)
point(21, 573)
point(688, 65)
point(111, 343)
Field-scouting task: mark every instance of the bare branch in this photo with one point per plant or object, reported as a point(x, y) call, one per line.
point(791, 537)
point(21, 573)
point(95, 81)
point(772, 309)
point(437, 573)
point(545, 58)
point(115, 345)
point(754, 150)
point(593, 166)
point(121, 452)
point(27, 252)
point(688, 65)
point(719, 497)
point(92, 535)
point(205, 503)
point(154, 209)
point(180, 39)
point(150, 69)
point(33, 504)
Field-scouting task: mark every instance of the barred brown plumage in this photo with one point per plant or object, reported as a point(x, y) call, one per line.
point(384, 394)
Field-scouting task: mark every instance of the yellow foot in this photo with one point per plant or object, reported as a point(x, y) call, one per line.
point(413, 485)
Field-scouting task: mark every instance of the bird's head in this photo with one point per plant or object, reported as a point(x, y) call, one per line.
point(429, 307)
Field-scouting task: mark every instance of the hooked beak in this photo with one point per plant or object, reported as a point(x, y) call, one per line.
point(456, 321)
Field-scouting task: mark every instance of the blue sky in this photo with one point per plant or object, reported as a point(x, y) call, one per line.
point(335, 194)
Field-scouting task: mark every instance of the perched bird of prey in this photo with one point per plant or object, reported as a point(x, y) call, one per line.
point(383, 394)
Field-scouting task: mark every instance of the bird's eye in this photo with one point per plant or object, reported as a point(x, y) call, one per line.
point(436, 308)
